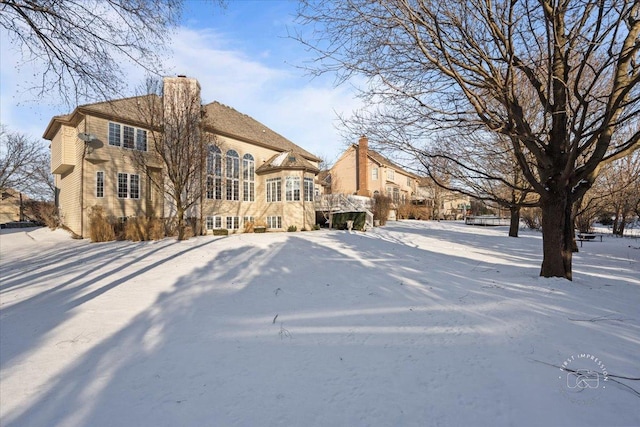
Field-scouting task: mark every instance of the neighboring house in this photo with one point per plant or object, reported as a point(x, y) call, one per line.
point(358, 175)
point(12, 205)
point(441, 203)
point(253, 173)
point(365, 172)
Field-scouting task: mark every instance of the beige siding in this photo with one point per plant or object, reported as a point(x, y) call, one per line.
point(344, 173)
point(69, 182)
point(75, 205)
point(301, 214)
point(344, 177)
point(62, 153)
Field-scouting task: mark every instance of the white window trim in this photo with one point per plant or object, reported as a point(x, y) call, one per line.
point(121, 137)
point(278, 222)
point(216, 221)
point(100, 173)
point(128, 180)
point(273, 189)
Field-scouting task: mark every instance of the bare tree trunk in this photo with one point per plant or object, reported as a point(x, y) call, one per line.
point(616, 222)
point(556, 238)
point(514, 223)
point(622, 223)
point(572, 227)
point(181, 225)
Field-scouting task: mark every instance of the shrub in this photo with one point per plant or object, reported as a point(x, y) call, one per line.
point(532, 217)
point(605, 218)
point(316, 226)
point(43, 213)
point(100, 228)
point(292, 228)
point(248, 227)
point(381, 208)
point(220, 232)
point(143, 228)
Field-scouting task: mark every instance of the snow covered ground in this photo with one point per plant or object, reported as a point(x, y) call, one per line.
point(412, 324)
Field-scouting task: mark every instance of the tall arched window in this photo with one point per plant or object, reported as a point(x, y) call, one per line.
point(214, 173)
point(248, 178)
point(233, 175)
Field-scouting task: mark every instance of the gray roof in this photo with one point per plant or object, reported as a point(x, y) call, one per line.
point(218, 118)
point(228, 121)
point(287, 160)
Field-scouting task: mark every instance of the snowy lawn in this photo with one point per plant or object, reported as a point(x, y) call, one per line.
point(412, 324)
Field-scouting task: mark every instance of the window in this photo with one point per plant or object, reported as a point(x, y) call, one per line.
point(233, 222)
point(128, 186)
point(248, 219)
point(127, 137)
point(233, 175)
point(391, 175)
point(389, 192)
point(274, 188)
point(374, 174)
point(274, 222)
point(214, 222)
point(214, 173)
point(408, 182)
point(248, 178)
point(210, 187)
point(134, 186)
point(114, 134)
point(308, 189)
point(141, 140)
point(292, 188)
point(396, 195)
point(123, 185)
point(100, 184)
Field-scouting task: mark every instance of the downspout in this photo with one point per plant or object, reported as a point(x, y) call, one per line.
point(84, 152)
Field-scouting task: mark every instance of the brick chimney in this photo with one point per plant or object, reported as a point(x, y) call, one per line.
point(363, 166)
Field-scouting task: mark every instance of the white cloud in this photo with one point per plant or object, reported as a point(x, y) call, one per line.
point(279, 96)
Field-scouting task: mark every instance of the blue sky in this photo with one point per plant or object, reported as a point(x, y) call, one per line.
point(242, 57)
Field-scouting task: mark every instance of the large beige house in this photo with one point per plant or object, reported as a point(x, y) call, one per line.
point(252, 174)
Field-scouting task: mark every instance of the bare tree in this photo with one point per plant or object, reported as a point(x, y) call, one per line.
point(25, 165)
point(82, 45)
point(177, 152)
point(618, 185)
point(484, 168)
point(473, 65)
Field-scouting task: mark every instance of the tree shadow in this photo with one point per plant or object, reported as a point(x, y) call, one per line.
point(311, 328)
point(86, 273)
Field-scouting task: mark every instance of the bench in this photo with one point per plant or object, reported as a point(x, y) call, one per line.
point(587, 237)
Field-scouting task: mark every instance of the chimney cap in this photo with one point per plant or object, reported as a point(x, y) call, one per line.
point(184, 76)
